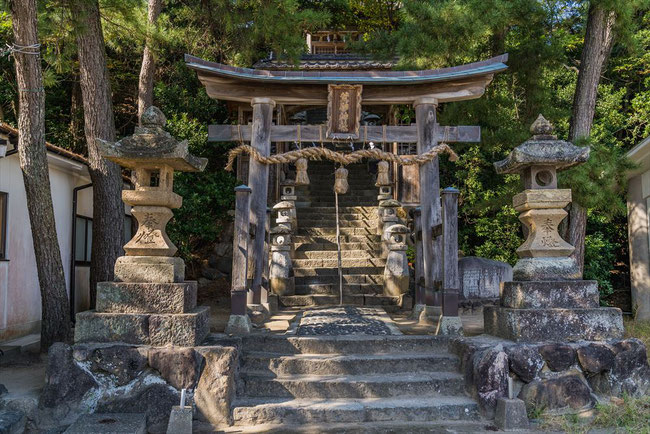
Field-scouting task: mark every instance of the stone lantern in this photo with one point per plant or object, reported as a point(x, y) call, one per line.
point(281, 273)
point(288, 188)
point(396, 271)
point(150, 303)
point(388, 212)
point(544, 255)
point(286, 212)
point(153, 155)
point(547, 300)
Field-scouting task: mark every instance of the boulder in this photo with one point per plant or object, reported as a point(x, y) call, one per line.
point(558, 357)
point(525, 361)
point(12, 422)
point(123, 362)
point(490, 375)
point(595, 358)
point(216, 386)
point(565, 391)
point(3, 390)
point(65, 381)
point(180, 367)
point(630, 373)
point(149, 394)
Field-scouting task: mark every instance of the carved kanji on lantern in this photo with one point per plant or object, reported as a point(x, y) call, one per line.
point(344, 111)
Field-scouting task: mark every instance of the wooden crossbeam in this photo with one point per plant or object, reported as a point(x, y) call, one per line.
point(316, 133)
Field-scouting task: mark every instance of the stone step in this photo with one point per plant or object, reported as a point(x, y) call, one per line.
point(371, 248)
point(256, 384)
point(307, 214)
point(331, 223)
point(342, 209)
point(382, 427)
point(303, 272)
point(354, 411)
point(310, 239)
point(349, 344)
point(333, 263)
point(373, 279)
point(333, 288)
point(303, 364)
point(318, 231)
point(320, 253)
point(329, 300)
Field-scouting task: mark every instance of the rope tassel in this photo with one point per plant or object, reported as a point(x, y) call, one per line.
point(382, 174)
point(341, 180)
point(301, 172)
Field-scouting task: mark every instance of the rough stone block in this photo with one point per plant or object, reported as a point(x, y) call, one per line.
point(450, 326)
point(180, 420)
point(539, 325)
point(179, 367)
point(239, 325)
point(216, 388)
point(186, 329)
point(511, 414)
point(149, 269)
point(564, 294)
point(128, 328)
point(98, 423)
point(123, 297)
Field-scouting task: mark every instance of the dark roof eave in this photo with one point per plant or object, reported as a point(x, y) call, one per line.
point(486, 67)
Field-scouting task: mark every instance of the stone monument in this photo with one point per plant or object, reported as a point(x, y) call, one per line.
point(150, 303)
point(547, 300)
point(281, 273)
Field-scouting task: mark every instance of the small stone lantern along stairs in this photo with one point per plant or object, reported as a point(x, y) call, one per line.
point(315, 262)
point(404, 379)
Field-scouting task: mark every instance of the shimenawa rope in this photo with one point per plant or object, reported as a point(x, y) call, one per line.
point(343, 159)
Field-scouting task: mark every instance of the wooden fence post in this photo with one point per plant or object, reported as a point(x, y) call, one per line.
point(450, 321)
point(239, 323)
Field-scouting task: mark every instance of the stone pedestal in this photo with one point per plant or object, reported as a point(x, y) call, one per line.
point(155, 314)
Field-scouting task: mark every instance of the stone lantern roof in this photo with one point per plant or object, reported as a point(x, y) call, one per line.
point(150, 144)
point(543, 149)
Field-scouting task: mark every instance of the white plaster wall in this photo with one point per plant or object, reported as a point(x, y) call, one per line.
point(20, 301)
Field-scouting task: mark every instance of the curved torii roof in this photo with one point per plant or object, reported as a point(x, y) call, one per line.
point(380, 87)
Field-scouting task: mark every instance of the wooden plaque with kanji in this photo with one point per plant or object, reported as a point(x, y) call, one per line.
point(343, 111)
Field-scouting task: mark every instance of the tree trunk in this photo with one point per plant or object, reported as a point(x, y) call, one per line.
point(148, 70)
point(55, 324)
point(599, 38)
point(108, 209)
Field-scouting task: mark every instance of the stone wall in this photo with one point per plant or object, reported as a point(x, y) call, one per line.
point(119, 378)
point(552, 376)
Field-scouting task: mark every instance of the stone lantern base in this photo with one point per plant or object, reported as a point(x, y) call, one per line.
point(552, 310)
point(155, 314)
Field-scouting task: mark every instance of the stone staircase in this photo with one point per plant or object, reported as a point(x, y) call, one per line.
point(315, 260)
point(383, 381)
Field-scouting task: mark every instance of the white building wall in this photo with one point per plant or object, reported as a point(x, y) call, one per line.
point(20, 301)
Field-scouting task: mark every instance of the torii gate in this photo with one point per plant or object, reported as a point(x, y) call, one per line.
point(344, 92)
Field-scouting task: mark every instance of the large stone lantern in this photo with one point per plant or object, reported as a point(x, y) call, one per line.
point(547, 300)
point(153, 155)
point(150, 303)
